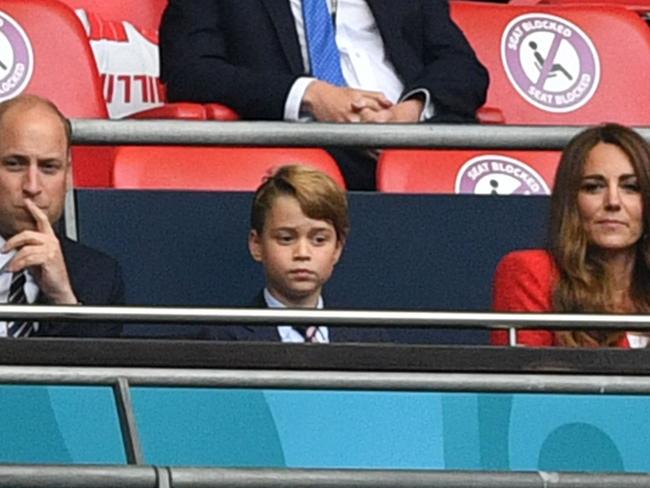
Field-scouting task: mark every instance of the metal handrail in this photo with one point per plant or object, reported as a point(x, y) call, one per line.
point(357, 318)
point(70, 476)
point(170, 132)
point(329, 380)
point(294, 478)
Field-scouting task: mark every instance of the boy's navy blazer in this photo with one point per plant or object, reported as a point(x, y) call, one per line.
point(96, 279)
point(270, 332)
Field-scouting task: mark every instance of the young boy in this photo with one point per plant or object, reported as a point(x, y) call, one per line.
point(299, 225)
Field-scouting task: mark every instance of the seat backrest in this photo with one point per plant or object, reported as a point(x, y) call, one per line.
point(467, 171)
point(639, 5)
point(561, 64)
point(144, 14)
point(210, 168)
point(49, 47)
point(51, 57)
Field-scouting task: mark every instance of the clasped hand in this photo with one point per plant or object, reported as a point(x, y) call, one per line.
point(330, 103)
point(40, 251)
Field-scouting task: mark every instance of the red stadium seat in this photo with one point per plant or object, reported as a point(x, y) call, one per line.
point(104, 20)
point(561, 64)
point(210, 168)
point(466, 171)
point(52, 58)
point(51, 48)
point(638, 5)
point(145, 14)
point(60, 60)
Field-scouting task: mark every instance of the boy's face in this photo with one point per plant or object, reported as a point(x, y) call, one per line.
point(298, 253)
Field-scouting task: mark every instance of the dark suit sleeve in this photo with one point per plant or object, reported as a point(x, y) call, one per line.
point(451, 72)
point(211, 52)
point(96, 279)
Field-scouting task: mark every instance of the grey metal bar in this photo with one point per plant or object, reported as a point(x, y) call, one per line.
point(48, 476)
point(169, 132)
point(164, 479)
point(301, 478)
point(358, 318)
point(70, 212)
point(74, 476)
point(128, 426)
point(331, 380)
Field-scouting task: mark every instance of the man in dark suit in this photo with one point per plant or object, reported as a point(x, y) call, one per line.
point(402, 61)
point(37, 264)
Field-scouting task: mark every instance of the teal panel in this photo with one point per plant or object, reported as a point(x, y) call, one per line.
point(494, 430)
point(462, 443)
point(59, 424)
point(580, 432)
point(346, 429)
point(358, 429)
point(206, 427)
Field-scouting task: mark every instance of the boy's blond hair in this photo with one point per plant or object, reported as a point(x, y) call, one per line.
point(318, 195)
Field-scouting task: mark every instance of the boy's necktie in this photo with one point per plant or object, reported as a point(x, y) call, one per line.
point(324, 55)
point(307, 332)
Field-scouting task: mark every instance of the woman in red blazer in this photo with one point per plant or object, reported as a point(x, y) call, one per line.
point(598, 258)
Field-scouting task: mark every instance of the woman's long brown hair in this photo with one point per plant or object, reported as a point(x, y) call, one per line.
point(583, 284)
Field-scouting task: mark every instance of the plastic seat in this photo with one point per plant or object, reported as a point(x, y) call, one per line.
point(467, 171)
point(145, 14)
point(50, 43)
point(210, 168)
point(638, 5)
point(62, 69)
point(62, 62)
point(599, 71)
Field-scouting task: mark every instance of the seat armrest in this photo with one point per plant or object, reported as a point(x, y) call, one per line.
point(180, 110)
point(490, 115)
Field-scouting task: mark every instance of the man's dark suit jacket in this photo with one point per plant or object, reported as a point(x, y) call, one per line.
point(270, 333)
point(96, 280)
point(246, 54)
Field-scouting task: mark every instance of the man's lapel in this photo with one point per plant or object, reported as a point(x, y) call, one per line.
point(285, 28)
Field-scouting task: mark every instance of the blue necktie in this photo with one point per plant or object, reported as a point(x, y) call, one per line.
point(324, 56)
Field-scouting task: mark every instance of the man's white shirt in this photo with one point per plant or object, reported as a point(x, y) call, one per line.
point(363, 57)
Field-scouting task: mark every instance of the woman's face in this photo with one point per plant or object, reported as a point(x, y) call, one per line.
point(609, 199)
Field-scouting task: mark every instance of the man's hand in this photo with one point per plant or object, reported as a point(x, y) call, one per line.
point(40, 251)
point(330, 103)
point(407, 111)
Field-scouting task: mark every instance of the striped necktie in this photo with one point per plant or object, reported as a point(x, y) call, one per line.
point(18, 328)
point(307, 332)
point(324, 55)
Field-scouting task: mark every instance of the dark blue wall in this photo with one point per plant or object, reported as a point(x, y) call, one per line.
point(435, 252)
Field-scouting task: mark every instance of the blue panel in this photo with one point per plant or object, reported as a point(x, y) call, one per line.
point(585, 432)
point(434, 252)
point(206, 427)
point(59, 424)
point(359, 430)
point(461, 426)
point(228, 427)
